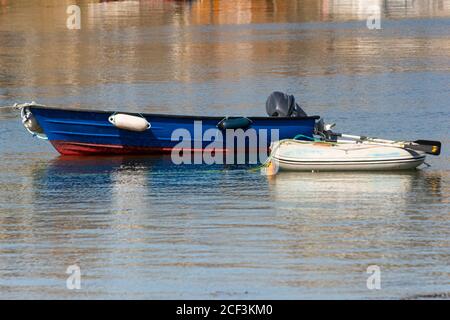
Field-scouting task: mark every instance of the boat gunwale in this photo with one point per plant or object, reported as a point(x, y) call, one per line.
point(173, 116)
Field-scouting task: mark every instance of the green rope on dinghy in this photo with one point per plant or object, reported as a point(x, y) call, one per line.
point(307, 137)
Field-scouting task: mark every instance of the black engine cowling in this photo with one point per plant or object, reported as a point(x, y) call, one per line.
point(280, 104)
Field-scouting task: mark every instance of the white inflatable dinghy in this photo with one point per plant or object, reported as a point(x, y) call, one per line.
point(298, 155)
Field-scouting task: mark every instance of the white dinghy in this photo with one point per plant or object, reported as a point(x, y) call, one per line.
point(337, 156)
point(338, 152)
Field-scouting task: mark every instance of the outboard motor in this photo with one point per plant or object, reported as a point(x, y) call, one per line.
point(280, 104)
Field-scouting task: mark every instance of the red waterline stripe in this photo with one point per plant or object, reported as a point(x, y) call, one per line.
point(79, 148)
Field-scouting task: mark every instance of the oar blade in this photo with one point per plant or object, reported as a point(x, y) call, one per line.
point(427, 146)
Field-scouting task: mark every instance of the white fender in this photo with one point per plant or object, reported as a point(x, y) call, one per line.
point(129, 122)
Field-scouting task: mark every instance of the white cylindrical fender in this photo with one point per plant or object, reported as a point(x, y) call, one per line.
point(129, 122)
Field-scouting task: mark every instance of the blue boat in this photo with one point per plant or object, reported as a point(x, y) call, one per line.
point(88, 132)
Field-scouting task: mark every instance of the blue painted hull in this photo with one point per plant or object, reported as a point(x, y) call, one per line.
point(79, 132)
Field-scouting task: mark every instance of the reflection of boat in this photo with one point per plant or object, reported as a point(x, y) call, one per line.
point(327, 156)
point(79, 132)
point(349, 188)
point(85, 180)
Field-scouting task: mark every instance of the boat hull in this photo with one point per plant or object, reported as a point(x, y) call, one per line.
point(80, 132)
point(303, 156)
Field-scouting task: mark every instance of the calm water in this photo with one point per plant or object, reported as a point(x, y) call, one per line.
point(140, 227)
